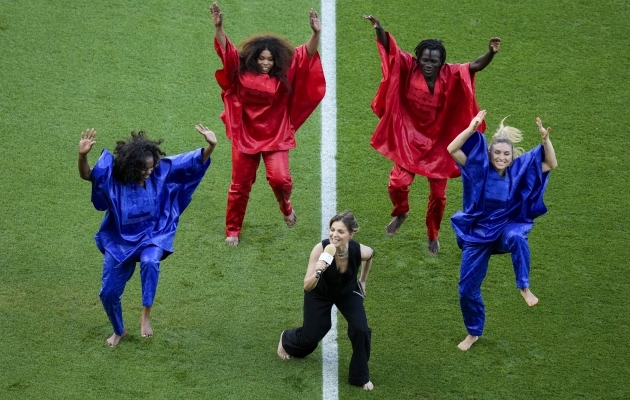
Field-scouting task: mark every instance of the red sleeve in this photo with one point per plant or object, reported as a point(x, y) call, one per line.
point(308, 85)
point(467, 106)
point(396, 67)
point(231, 63)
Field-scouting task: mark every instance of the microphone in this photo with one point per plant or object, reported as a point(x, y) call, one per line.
point(327, 256)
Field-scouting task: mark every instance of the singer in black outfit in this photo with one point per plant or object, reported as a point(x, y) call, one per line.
point(338, 285)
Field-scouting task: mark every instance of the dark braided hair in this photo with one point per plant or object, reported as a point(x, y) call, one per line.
point(431, 44)
point(130, 156)
point(280, 50)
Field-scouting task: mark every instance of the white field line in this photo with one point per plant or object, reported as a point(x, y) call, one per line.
point(329, 180)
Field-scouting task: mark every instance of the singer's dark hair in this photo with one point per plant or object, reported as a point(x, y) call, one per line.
point(347, 218)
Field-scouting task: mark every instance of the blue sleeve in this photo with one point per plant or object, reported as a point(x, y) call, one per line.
point(181, 174)
point(529, 182)
point(474, 172)
point(101, 178)
point(182, 168)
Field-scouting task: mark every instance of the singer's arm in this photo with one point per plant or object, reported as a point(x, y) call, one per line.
point(314, 264)
point(367, 255)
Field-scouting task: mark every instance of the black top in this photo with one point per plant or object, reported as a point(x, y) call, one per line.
point(333, 284)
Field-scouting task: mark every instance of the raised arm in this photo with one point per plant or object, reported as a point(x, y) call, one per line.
point(455, 148)
point(211, 139)
point(482, 61)
point(380, 32)
point(217, 20)
point(313, 41)
point(85, 145)
point(314, 263)
point(550, 155)
point(367, 254)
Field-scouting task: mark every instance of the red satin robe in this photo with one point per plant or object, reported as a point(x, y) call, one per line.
point(261, 114)
point(415, 125)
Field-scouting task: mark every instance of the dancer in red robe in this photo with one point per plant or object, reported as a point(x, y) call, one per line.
point(423, 103)
point(269, 89)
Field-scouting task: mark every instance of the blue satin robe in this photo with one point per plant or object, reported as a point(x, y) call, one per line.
point(138, 217)
point(498, 214)
point(140, 224)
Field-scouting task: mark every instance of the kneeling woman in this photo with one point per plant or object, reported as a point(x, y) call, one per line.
point(502, 196)
point(338, 285)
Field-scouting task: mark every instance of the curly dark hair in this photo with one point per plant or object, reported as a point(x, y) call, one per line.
point(431, 44)
point(280, 50)
point(130, 156)
point(348, 219)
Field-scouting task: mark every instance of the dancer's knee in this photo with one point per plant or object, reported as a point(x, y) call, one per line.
point(240, 189)
point(468, 293)
point(109, 295)
point(284, 183)
point(361, 330)
point(515, 238)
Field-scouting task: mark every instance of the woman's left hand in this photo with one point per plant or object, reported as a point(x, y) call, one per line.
point(362, 287)
point(216, 15)
point(316, 24)
point(211, 138)
point(494, 44)
point(87, 141)
point(544, 133)
point(478, 119)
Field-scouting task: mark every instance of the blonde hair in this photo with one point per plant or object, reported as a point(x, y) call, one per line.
point(510, 135)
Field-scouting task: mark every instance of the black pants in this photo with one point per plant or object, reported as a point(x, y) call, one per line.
point(300, 342)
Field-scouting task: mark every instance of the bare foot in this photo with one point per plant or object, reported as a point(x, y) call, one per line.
point(466, 343)
point(529, 297)
point(281, 351)
point(290, 219)
point(113, 340)
point(392, 228)
point(368, 386)
point(145, 323)
point(433, 246)
point(232, 240)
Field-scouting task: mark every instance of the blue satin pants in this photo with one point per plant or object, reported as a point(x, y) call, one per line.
point(473, 270)
point(115, 277)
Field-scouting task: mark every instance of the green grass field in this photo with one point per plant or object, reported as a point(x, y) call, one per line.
point(119, 66)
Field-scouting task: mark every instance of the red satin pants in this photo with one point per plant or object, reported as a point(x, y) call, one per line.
point(244, 167)
point(399, 181)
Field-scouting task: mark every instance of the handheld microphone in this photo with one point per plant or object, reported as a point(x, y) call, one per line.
point(327, 256)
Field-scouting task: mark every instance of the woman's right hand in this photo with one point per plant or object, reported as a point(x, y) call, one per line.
point(87, 141)
point(544, 133)
point(478, 119)
point(216, 15)
point(321, 265)
point(376, 24)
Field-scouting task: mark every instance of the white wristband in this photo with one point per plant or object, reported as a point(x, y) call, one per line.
point(327, 258)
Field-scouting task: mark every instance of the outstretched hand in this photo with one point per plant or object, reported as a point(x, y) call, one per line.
point(494, 44)
point(210, 137)
point(373, 20)
point(478, 119)
point(87, 141)
point(216, 14)
point(544, 133)
point(316, 24)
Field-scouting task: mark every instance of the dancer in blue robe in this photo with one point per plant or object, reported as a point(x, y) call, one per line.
point(503, 193)
point(143, 196)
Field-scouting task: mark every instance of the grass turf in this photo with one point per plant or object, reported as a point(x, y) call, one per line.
point(119, 66)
